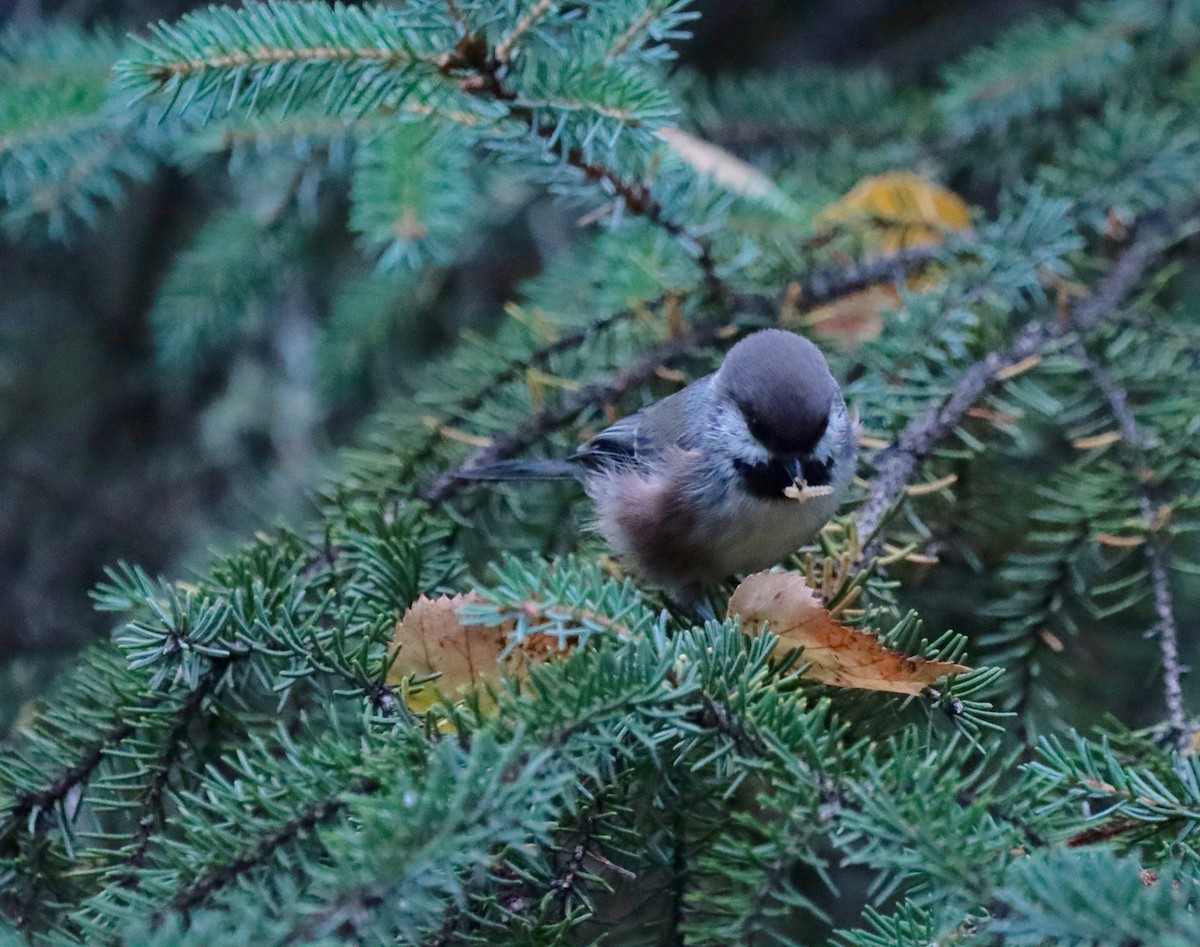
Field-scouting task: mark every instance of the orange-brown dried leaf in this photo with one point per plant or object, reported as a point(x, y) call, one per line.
point(854, 319)
point(837, 654)
point(434, 640)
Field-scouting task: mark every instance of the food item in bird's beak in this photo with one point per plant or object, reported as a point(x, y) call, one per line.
point(799, 490)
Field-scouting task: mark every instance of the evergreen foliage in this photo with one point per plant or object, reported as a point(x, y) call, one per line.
point(66, 146)
point(234, 766)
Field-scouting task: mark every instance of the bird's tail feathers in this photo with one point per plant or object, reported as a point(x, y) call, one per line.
point(522, 470)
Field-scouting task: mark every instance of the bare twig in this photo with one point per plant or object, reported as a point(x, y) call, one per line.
point(896, 464)
point(1166, 628)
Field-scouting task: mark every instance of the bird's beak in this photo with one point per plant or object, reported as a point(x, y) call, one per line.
point(795, 468)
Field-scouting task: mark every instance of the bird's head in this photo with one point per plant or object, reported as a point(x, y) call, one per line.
point(782, 411)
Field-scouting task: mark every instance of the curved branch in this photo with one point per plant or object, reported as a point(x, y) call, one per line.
point(222, 875)
point(917, 440)
point(1166, 628)
point(70, 777)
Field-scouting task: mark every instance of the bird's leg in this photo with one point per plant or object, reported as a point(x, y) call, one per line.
point(695, 601)
point(704, 608)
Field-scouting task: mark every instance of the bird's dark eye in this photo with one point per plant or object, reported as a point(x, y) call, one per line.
point(756, 428)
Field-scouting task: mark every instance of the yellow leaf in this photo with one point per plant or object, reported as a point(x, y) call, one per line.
point(433, 640)
point(898, 210)
point(837, 654)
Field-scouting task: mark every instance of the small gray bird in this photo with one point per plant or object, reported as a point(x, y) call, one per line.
point(730, 474)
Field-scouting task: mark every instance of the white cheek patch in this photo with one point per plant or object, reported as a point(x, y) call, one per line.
point(730, 429)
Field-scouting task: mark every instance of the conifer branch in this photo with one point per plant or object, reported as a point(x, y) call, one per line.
point(221, 876)
point(639, 201)
point(564, 885)
point(68, 779)
point(341, 916)
point(504, 49)
point(185, 815)
point(1059, 580)
point(285, 38)
point(626, 40)
point(58, 131)
point(277, 56)
point(776, 879)
point(1166, 629)
point(826, 286)
point(152, 800)
point(486, 78)
point(1104, 832)
point(538, 358)
point(456, 13)
point(679, 879)
point(920, 436)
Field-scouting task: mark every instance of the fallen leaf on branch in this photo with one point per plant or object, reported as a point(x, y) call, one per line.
point(837, 654)
point(434, 640)
point(889, 212)
point(898, 210)
point(853, 319)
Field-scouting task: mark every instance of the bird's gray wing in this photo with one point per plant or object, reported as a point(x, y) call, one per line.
point(641, 437)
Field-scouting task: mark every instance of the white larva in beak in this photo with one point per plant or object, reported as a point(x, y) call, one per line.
point(801, 491)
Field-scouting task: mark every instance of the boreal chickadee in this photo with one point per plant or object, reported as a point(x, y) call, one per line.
point(730, 474)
